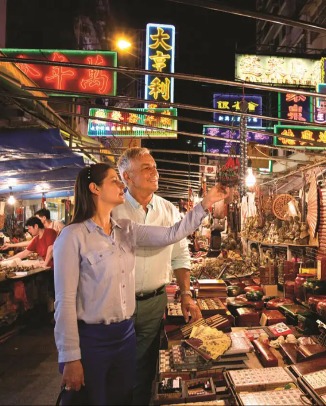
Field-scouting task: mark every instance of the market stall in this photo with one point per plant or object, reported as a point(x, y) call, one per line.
point(262, 294)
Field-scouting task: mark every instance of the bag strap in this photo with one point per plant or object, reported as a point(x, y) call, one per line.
point(58, 401)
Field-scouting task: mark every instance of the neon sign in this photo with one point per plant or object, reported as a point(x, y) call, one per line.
point(320, 105)
point(224, 147)
point(127, 124)
point(278, 70)
point(294, 107)
point(160, 50)
point(231, 102)
point(301, 136)
point(72, 79)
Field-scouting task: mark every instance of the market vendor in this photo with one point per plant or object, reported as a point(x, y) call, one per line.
point(42, 244)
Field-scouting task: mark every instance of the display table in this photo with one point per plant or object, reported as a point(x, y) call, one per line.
point(26, 294)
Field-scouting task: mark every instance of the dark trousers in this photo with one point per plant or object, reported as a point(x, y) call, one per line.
point(148, 318)
point(108, 357)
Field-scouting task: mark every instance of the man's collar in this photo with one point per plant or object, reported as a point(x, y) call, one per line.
point(135, 204)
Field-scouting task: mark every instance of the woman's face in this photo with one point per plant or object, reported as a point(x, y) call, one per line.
point(111, 190)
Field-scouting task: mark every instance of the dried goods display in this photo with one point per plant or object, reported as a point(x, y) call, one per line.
point(232, 266)
point(280, 205)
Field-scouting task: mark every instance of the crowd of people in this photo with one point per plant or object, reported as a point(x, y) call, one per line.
point(111, 266)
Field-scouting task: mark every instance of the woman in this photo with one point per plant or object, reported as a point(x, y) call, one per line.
point(95, 287)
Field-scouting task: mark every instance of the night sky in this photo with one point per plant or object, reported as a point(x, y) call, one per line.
point(206, 42)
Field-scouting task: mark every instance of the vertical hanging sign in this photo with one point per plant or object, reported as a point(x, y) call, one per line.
point(294, 107)
point(160, 51)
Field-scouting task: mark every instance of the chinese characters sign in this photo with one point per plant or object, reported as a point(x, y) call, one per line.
point(69, 78)
point(126, 124)
point(323, 70)
point(277, 70)
point(320, 105)
point(160, 50)
point(224, 147)
point(294, 107)
point(300, 136)
point(231, 102)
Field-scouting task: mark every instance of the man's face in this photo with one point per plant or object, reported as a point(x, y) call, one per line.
point(33, 230)
point(143, 174)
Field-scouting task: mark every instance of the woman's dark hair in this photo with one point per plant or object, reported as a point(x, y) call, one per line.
point(84, 204)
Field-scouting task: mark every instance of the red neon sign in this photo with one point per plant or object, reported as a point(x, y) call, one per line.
point(69, 78)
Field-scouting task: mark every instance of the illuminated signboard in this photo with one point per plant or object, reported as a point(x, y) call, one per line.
point(323, 70)
point(294, 107)
point(160, 50)
point(126, 124)
point(302, 137)
point(277, 70)
point(320, 106)
point(224, 147)
point(69, 78)
point(231, 102)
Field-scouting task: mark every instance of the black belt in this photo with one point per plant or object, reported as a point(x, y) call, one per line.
point(155, 292)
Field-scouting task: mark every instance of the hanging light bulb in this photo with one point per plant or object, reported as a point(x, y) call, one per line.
point(11, 199)
point(250, 178)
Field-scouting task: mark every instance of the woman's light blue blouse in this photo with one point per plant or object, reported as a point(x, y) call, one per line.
point(94, 273)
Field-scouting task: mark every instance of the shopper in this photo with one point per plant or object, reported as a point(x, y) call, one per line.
point(45, 216)
point(138, 171)
point(95, 287)
point(42, 242)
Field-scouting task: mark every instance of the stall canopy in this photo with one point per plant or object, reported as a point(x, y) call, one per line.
point(36, 161)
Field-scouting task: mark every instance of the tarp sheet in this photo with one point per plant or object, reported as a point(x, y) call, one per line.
point(33, 157)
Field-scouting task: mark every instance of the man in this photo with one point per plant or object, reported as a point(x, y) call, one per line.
point(153, 266)
point(42, 242)
point(44, 215)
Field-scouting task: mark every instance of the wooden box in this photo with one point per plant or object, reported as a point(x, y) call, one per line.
point(169, 391)
point(270, 290)
point(247, 317)
point(199, 389)
point(270, 317)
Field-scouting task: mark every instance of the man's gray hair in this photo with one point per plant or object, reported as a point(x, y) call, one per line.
point(127, 156)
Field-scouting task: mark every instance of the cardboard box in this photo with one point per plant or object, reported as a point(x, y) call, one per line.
point(270, 290)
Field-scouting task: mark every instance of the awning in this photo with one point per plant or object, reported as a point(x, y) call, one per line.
point(33, 161)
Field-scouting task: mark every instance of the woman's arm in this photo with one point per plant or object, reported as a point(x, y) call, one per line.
point(66, 259)
point(156, 236)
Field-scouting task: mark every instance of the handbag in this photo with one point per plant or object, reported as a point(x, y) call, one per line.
point(58, 401)
point(78, 398)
